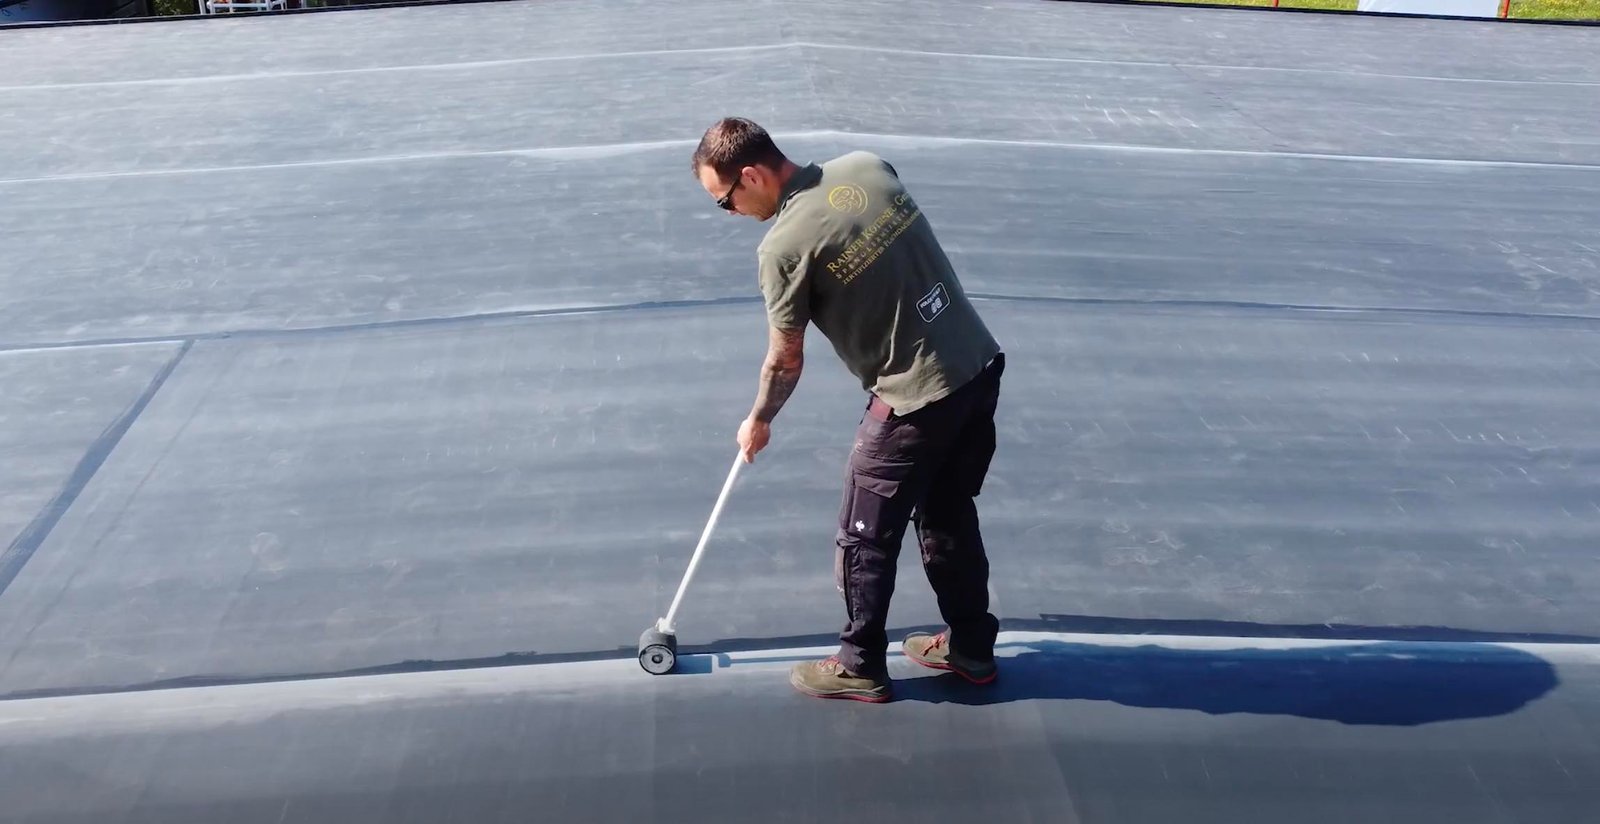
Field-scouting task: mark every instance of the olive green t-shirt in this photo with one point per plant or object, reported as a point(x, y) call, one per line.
point(850, 251)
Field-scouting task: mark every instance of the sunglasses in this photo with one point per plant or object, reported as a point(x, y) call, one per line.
point(726, 201)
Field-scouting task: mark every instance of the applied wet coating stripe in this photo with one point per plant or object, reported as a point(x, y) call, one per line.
point(468, 65)
point(598, 150)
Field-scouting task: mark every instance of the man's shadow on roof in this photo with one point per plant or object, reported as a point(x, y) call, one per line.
point(1397, 676)
point(1382, 683)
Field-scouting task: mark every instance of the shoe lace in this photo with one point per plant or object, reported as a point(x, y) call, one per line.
point(937, 641)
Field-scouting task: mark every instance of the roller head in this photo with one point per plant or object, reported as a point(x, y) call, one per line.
point(658, 651)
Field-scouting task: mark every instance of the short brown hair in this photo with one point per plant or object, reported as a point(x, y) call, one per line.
point(733, 143)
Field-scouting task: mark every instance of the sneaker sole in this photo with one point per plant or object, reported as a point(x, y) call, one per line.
point(865, 697)
point(988, 679)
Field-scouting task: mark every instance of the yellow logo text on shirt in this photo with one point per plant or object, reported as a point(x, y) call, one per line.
point(875, 238)
point(848, 198)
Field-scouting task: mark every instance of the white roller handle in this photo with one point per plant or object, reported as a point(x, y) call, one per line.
point(666, 624)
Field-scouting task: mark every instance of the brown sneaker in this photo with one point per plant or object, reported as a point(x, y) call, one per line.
point(829, 679)
point(934, 651)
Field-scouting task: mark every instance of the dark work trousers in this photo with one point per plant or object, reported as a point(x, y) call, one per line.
point(924, 468)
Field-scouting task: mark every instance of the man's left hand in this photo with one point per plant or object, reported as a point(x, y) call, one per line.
point(753, 437)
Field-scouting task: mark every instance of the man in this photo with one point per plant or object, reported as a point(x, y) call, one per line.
point(850, 251)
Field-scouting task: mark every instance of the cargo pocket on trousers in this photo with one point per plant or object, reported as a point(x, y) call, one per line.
point(874, 501)
point(866, 525)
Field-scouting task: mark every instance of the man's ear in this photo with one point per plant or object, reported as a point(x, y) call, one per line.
point(765, 176)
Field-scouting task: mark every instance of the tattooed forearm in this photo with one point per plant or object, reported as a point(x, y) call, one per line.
point(777, 384)
point(780, 374)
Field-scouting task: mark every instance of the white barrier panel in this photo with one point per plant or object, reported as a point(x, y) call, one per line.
point(1457, 8)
